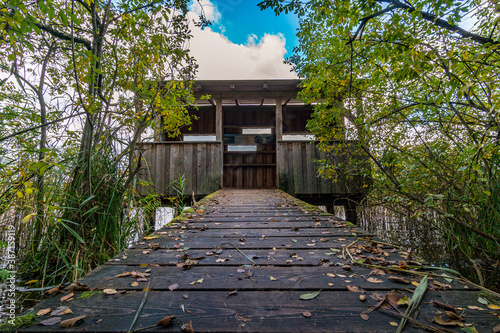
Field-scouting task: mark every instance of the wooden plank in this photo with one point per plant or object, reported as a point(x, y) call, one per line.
point(187, 161)
point(234, 277)
point(218, 119)
point(310, 169)
point(249, 243)
point(254, 311)
point(279, 118)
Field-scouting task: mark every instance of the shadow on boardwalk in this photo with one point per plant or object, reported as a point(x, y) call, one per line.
point(240, 262)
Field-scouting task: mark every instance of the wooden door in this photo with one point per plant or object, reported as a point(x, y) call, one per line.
point(249, 147)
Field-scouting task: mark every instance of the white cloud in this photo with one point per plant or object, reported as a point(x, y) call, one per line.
point(220, 59)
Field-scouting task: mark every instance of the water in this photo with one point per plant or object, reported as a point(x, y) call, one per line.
point(424, 241)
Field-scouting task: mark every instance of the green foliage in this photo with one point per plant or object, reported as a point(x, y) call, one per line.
point(83, 82)
point(404, 85)
point(13, 325)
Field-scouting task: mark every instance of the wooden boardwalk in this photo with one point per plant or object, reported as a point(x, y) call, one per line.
point(241, 260)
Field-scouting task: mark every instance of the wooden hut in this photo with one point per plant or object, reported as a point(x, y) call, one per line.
point(249, 134)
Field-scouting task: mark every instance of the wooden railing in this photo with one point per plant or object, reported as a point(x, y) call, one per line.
point(298, 172)
point(164, 163)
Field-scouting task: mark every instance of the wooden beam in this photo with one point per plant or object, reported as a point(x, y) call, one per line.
point(279, 118)
point(247, 94)
point(218, 119)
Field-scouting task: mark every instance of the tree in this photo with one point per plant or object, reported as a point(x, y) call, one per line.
point(118, 66)
point(419, 94)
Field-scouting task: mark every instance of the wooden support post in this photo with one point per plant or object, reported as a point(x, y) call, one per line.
point(218, 119)
point(158, 130)
point(279, 119)
point(219, 135)
point(350, 211)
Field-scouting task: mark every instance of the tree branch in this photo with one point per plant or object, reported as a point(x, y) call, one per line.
point(443, 24)
point(65, 36)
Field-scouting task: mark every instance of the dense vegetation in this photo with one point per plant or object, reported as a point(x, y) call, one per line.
point(81, 82)
point(417, 83)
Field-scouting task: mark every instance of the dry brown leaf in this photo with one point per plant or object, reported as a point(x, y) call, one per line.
point(68, 297)
point(231, 293)
point(73, 321)
point(364, 316)
point(43, 312)
point(187, 328)
point(374, 280)
point(453, 316)
point(398, 280)
point(330, 275)
point(167, 321)
point(443, 322)
point(109, 291)
point(172, 287)
point(354, 289)
point(473, 307)
point(307, 314)
point(53, 290)
point(496, 329)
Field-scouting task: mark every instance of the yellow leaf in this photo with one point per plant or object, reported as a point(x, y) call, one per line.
point(19, 194)
point(143, 265)
point(330, 284)
point(200, 211)
point(27, 218)
point(494, 307)
point(273, 278)
point(415, 283)
point(134, 284)
point(393, 323)
point(31, 282)
point(151, 237)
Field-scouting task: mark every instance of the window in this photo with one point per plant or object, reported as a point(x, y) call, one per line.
point(202, 138)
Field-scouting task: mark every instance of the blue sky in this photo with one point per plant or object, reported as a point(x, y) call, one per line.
point(241, 18)
point(243, 42)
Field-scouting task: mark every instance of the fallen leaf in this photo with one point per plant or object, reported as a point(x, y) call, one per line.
point(393, 323)
point(309, 296)
point(134, 284)
point(398, 280)
point(67, 297)
point(65, 311)
point(240, 270)
point(469, 330)
point(197, 281)
point(151, 237)
point(443, 306)
point(362, 298)
point(330, 275)
point(443, 322)
point(53, 290)
point(307, 314)
point(272, 278)
point(403, 301)
point(43, 312)
point(167, 321)
point(31, 282)
point(73, 321)
point(173, 287)
point(364, 316)
point(473, 307)
point(374, 280)
point(453, 316)
point(482, 301)
point(60, 311)
point(187, 328)
point(415, 283)
point(330, 284)
point(354, 289)
point(493, 307)
point(50, 321)
point(109, 291)
point(185, 296)
point(200, 211)
point(496, 329)
point(231, 293)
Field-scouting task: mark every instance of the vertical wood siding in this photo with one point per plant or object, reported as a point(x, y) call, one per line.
point(164, 163)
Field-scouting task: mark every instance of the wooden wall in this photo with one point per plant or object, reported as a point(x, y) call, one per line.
point(297, 171)
point(164, 163)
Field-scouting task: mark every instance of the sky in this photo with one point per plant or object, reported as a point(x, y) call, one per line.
point(243, 42)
